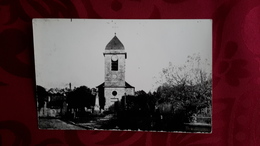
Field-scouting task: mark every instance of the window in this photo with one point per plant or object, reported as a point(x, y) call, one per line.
point(114, 93)
point(114, 65)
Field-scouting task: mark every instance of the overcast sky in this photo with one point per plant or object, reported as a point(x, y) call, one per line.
point(71, 50)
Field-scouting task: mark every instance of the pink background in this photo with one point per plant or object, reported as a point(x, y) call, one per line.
point(236, 56)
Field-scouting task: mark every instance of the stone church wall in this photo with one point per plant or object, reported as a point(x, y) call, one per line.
point(110, 99)
point(130, 91)
point(115, 78)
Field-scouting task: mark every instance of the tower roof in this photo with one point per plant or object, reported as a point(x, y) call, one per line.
point(115, 44)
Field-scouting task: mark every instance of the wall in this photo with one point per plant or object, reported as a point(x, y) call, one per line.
point(110, 99)
point(119, 80)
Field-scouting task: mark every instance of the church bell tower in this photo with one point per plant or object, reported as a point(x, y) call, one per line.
point(114, 85)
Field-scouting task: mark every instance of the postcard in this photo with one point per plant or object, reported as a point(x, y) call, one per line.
point(124, 74)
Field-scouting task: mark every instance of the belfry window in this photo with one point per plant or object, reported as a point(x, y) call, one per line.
point(114, 65)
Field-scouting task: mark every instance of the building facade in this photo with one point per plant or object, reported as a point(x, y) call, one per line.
point(114, 86)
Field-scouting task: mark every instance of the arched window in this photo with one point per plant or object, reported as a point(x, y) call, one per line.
point(114, 65)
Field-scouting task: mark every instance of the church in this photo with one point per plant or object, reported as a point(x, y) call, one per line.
point(114, 86)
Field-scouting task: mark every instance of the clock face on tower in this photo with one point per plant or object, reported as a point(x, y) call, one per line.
point(114, 58)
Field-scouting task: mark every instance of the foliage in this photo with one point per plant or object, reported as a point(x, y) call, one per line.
point(81, 97)
point(41, 95)
point(141, 102)
point(137, 112)
point(56, 97)
point(187, 87)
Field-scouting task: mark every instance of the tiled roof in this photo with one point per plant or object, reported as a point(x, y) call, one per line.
point(115, 44)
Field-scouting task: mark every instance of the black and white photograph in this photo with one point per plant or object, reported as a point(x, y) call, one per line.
point(124, 74)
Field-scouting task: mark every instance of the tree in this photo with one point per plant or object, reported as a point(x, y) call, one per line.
point(41, 95)
point(186, 87)
point(81, 97)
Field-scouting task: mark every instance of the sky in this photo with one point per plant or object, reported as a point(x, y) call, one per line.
point(71, 50)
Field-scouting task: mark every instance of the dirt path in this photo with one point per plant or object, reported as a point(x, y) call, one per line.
point(45, 123)
point(98, 123)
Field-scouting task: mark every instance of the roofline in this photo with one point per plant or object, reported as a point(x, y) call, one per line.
point(103, 85)
point(114, 86)
point(116, 53)
point(119, 43)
